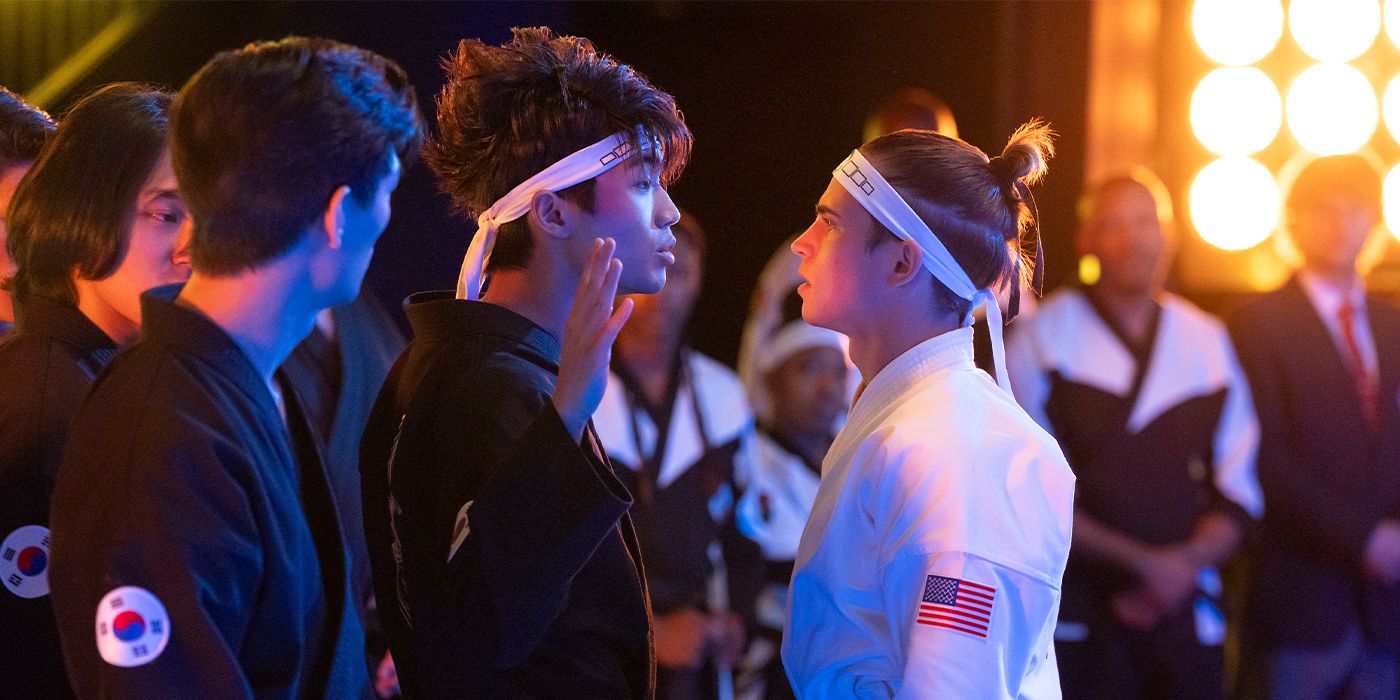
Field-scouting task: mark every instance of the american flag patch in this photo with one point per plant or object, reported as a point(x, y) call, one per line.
point(958, 605)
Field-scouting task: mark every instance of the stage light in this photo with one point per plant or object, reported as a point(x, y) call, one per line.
point(1236, 111)
point(1237, 32)
point(1090, 270)
point(1234, 203)
point(1391, 199)
point(1332, 109)
point(1390, 104)
point(1334, 30)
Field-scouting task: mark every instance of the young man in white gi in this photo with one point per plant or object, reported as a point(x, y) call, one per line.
point(931, 565)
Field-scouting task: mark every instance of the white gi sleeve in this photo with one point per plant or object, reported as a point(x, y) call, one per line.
point(969, 628)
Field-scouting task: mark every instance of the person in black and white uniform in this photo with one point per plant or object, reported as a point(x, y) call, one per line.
point(1144, 393)
point(679, 426)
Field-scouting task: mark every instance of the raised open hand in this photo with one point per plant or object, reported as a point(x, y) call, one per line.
point(589, 332)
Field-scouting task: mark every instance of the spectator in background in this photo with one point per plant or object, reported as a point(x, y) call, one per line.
point(95, 224)
point(796, 378)
point(1144, 394)
point(23, 130)
point(679, 424)
point(1322, 616)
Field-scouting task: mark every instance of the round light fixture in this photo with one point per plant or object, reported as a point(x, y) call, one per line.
point(1332, 109)
point(1234, 203)
point(1237, 32)
point(1236, 111)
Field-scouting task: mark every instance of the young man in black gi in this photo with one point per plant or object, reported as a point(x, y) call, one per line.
point(195, 547)
point(82, 261)
point(504, 563)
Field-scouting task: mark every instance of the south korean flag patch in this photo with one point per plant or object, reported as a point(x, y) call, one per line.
point(24, 561)
point(132, 627)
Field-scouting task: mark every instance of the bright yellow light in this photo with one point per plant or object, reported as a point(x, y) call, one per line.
point(1334, 30)
point(1392, 21)
point(1237, 32)
point(1391, 193)
point(1332, 109)
point(1090, 270)
point(1390, 104)
point(1236, 111)
point(1234, 203)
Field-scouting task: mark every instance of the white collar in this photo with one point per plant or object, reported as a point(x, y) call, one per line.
point(1328, 297)
point(925, 359)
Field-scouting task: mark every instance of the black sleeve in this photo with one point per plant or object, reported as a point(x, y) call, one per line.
point(167, 515)
point(1318, 518)
point(540, 506)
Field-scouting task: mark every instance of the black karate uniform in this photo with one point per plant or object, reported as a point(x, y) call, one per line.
point(1159, 433)
point(678, 521)
point(45, 370)
point(504, 563)
point(337, 380)
point(183, 479)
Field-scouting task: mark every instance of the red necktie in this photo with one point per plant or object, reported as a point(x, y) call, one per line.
point(1366, 387)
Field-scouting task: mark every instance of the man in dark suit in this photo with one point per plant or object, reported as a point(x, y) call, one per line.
point(1323, 358)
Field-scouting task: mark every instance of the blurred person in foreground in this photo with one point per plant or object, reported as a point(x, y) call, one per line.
point(210, 561)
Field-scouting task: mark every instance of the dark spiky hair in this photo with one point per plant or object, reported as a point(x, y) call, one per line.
point(510, 111)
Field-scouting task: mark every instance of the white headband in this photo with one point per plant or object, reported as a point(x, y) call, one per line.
point(581, 165)
point(868, 187)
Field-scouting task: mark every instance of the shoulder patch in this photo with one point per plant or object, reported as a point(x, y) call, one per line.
point(957, 605)
point(24, 561)
point(132, 627)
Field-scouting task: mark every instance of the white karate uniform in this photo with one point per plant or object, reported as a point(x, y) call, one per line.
point(938, 480)
point(779, 498)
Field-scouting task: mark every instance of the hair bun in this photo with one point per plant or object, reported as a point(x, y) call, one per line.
point(1026, 156)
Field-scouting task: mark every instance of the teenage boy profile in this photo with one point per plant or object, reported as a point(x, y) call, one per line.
point(503, 559)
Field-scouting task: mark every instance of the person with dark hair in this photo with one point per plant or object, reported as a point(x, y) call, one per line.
point(679, 423)
point(504, 561)
point(797, 380)
point(23, 130)
point(1145, 395)
point(196, 548)
point(94, 224)
point(1322, 598)
point(931, 564)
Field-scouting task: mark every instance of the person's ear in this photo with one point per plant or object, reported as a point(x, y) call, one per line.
point(908, 259)
point(333, 219)
point(549, 215)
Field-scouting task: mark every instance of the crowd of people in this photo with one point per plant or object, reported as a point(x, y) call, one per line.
point(225, 473)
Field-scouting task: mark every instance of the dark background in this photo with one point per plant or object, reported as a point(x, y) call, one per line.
point(775, 93)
